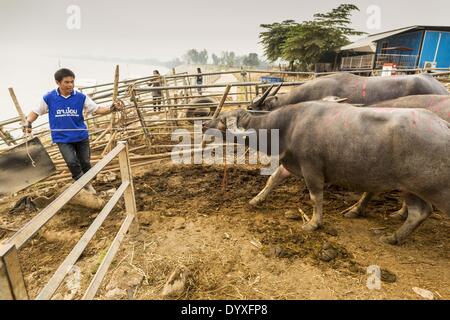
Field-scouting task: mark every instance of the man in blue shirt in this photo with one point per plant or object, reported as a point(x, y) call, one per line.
point(65, 114)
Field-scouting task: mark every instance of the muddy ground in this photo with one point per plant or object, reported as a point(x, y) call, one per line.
point(189, 216)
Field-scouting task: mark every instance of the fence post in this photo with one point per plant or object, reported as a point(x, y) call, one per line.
point(12, 284)
point(126, 175)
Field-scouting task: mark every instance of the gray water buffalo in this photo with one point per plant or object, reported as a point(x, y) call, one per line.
point(356, 89)
point(438, 104)
point(362, 149)
point(201, 111)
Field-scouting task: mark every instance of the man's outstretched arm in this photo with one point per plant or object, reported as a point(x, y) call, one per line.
point(93, 108)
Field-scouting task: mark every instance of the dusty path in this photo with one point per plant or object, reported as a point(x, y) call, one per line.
point(224, 79)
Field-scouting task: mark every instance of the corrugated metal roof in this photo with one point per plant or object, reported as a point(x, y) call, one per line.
point(367, 44)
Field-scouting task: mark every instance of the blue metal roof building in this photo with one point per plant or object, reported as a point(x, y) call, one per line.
point(407, 48)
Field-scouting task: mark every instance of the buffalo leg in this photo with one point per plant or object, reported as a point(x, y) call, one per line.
point(275, 179)
point(359, 208)
point(402, 213)
point(315, 183)
point(418, 211)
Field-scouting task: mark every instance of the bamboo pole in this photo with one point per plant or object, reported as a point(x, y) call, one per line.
point(17, 105)
point(220, 85)
point(140, 116)
point(219, 108)
point(5, 138)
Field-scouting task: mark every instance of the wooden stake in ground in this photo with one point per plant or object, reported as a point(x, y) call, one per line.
point(113, 115)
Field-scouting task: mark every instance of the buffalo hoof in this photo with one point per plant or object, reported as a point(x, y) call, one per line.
point(390, 239)
point(400, 214)
point(310, 226)
point(353, 212)
point(254, 202)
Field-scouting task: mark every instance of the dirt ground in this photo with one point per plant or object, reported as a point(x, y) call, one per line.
point(190, 217)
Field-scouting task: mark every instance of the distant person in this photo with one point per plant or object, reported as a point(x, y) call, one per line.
point(199, 80)
point(156, 94)
point(65, 106)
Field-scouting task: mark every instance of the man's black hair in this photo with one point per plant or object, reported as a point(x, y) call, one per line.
point(62, 73)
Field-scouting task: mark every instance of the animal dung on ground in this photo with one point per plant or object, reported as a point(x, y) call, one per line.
point(328, 253)
point(24, 204)
point(43, 201)
point(388, 276)
point(331, 231)
point(292, 215)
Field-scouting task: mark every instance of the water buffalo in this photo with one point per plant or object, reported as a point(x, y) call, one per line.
point(208, 110)
point(438, 104)
point(362, 149)
point(356, 89)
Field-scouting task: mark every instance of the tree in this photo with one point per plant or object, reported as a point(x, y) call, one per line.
point(227, 58)
point(304, 44)
point(202, 57)
point(215, 59)
point(191, 56)
point(274, 37)
point(251, 60)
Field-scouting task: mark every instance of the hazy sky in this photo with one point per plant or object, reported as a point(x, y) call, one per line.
point(165, 29)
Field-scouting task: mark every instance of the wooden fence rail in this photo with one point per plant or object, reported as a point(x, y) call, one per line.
point(12, 284)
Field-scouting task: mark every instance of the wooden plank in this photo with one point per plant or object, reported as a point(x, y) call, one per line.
point(10, 259)
point(59, 275)
point(115, 93)
point(126, 175)
point(101, 272)
point(5, 288)
point(33, 226)
point(17, 105)
point(9, 121)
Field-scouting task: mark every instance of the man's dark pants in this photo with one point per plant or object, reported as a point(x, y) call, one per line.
point(77, 156)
